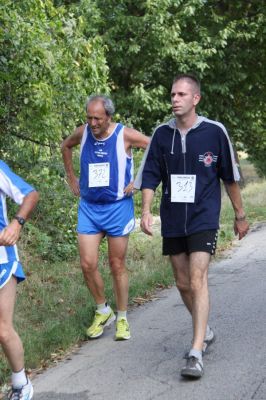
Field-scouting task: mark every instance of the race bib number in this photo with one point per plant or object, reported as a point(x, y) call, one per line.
point(183, 188)
point(99, 174)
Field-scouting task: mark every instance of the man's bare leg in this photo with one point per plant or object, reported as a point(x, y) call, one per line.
point(89, 249)
point(117, 248)
point(198, 267)
point(9, 338)
point(117, 255)
point(183, 265)
point(180, 266)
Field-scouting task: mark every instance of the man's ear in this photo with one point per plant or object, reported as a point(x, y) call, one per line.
point(196, 99)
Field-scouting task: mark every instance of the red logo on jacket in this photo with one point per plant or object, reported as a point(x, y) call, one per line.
point(208, 158)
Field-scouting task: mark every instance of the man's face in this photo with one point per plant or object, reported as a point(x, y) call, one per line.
point(184, 98)
point(97, 119)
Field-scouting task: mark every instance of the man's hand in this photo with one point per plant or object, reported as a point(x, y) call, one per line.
point(146, 223)
point(74, 185)
point(129, 189)
point(10, 234)
point(241, 228)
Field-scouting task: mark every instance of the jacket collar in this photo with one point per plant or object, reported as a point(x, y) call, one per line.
point(172, 122)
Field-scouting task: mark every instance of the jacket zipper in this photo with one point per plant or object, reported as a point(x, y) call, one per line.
point(184, 150)
point(167, 191)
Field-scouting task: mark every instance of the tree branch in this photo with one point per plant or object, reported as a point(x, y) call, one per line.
point(24, 137)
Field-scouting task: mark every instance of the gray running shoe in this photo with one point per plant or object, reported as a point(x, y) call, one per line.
point(193, 368)
point(24, 393)
point(208, 341)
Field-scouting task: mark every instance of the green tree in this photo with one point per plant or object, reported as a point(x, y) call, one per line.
point(146, 48)
point(149, 42)
point(48, 67)
point(234, 83)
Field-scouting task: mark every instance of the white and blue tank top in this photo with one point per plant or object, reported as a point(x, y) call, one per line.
point(13, 186)
point(105, 167)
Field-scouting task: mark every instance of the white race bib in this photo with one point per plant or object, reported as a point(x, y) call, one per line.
point(99, 174)
point(183, 188)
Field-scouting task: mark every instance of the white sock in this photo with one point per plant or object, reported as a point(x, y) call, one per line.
point(19, 379)
point(121, 314)
point(103, 308)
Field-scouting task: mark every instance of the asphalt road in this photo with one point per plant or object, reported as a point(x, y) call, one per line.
point(147, 367)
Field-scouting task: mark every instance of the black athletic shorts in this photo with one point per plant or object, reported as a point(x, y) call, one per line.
point(201, 241)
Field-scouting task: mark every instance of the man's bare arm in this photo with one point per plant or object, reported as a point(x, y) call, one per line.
point(66, 149)
point(10, 234)
point(146, 217)
point(241, 225)
point(134, 138)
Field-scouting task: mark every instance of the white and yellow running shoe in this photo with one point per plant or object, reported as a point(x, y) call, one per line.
point(100, 322)
point(122, 330)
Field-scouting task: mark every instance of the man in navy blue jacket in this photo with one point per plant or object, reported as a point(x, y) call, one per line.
point(190, 155)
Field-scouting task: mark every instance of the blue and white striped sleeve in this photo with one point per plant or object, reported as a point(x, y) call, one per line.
point(12, 185)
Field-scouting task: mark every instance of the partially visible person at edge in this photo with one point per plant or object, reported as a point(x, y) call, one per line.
point(11, 273)
point(189, 155)
point(106, 205)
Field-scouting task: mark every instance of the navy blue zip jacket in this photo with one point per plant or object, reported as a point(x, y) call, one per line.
point(206, 152)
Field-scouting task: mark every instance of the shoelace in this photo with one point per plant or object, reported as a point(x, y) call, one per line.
point(192, 361)
point(121, 324)
point(15, 394)
point(97, 320)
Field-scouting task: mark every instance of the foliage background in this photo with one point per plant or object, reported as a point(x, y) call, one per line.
point(55, 53)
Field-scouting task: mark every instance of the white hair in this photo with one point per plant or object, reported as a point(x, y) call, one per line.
point(107, 103)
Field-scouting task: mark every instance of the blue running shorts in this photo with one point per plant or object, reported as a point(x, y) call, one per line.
point(114, 219)
point(9, 269)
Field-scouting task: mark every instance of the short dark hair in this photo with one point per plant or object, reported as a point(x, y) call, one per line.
point(107, 103)
point(188, 77)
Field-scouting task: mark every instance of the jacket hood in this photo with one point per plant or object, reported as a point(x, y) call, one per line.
point(172, 122)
